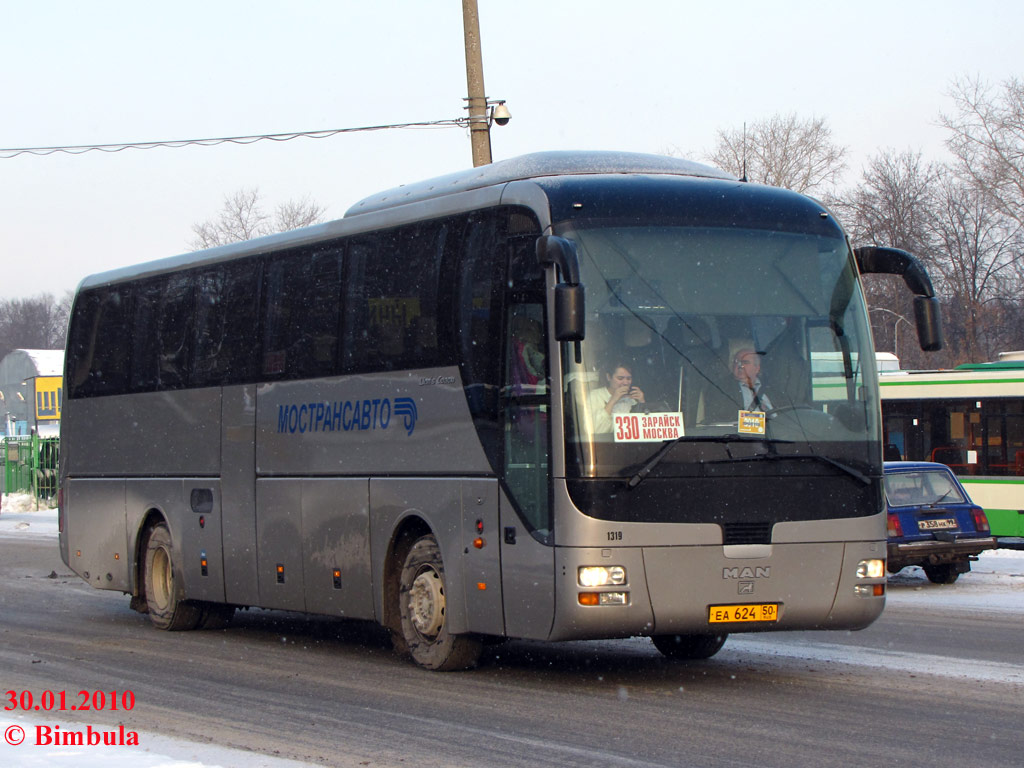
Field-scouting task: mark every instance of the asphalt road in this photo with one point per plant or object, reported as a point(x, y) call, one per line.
point(332, 693)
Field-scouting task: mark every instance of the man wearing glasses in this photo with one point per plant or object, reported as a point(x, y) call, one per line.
point(746, 369)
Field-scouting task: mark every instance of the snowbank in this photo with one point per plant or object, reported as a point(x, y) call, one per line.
point(19, 517)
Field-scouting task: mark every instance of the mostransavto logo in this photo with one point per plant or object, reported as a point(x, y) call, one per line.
point(346, 415)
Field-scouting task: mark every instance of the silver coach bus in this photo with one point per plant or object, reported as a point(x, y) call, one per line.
point(416, 415)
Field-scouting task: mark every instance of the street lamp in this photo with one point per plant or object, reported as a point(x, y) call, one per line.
point(895, 327)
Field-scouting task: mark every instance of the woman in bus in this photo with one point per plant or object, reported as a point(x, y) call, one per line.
point(618, 395)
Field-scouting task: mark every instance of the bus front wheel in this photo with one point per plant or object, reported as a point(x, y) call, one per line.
point(422, 607)
point(689, 646)
point(166, 609)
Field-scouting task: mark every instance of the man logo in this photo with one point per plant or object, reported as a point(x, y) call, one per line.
point(761, 572)
point(406, 408)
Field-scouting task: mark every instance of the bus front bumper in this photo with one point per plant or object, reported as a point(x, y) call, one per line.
point(715, 589)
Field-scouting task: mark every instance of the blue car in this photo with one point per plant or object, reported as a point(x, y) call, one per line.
point(932, 521)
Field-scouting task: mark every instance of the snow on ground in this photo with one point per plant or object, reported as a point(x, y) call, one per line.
point(153, 751)
point(995, 583)
point(19, 516)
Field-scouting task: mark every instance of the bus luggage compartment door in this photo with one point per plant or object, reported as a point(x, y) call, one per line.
point(96, 532)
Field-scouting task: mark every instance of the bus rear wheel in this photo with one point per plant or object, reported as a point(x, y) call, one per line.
point(422, 607)
point(160, 570)
point(689, 646)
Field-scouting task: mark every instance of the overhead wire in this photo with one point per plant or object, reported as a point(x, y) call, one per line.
point(79, 149)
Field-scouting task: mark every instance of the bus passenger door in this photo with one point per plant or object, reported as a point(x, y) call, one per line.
point(526, 522)
point(500, 340)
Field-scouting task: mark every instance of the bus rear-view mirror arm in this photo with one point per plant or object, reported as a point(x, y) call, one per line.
point(569, 306)
point(874, 259)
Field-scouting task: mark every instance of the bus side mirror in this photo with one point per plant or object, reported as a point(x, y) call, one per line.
point(569, 312)
point(929, 323)
point(569, 308)
point(873, 259)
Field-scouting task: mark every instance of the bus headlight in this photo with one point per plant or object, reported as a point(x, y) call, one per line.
point(871, 569)
point(601, 575)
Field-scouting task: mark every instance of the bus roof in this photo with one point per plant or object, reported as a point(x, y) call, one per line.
point(540, 165)
point(532, 166)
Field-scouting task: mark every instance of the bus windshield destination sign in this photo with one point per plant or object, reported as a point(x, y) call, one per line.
point(648, 427)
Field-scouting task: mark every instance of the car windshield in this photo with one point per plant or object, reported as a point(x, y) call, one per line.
point(921, 488)
point(699, 334)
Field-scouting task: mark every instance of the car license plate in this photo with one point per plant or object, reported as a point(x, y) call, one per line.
point(943, 524)
point(730, 614)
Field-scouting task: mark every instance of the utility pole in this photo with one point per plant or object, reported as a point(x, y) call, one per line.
point(479, 124)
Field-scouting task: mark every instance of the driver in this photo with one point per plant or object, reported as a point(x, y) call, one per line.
point(746, 369)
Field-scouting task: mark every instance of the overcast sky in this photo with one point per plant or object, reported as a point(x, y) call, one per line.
point(648, 76)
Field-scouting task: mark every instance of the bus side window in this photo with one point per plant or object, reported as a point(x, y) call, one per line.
point(322, 324)
point(302, 314)
point(98, 365)
point(391, 309)
point(527, 394)
point(283, 296)
point(160, 333)
point(225, 337)
point(479, 275)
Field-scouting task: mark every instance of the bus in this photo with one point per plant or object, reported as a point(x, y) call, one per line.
point(390, 417)
point(970, 418)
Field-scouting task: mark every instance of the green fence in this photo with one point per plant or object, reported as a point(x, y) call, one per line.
point(30, 466)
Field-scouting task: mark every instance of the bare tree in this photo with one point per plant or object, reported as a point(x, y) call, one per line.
point(242, 217)
point(37, 323)
point(784, 151)
point(981, 250)
point(893, 205)
point(296, 214)
point(987, 139)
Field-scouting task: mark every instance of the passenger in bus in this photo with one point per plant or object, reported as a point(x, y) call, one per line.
point(618, 395)
point(527, 363)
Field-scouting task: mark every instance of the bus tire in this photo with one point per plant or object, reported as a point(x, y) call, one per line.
point(422, 607)
point(689, 646)
point(160, 574)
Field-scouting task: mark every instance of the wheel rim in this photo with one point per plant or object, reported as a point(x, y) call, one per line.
point(162, 581)
point(427, 603)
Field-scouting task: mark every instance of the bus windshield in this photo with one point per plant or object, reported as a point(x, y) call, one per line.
point(713, 337)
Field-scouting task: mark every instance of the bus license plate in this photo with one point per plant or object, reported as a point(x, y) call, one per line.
point(731, 614)
point(936, 525)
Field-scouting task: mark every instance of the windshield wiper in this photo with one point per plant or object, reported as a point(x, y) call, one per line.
point(662, 452)
point(939, 500)
point(852, 471)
